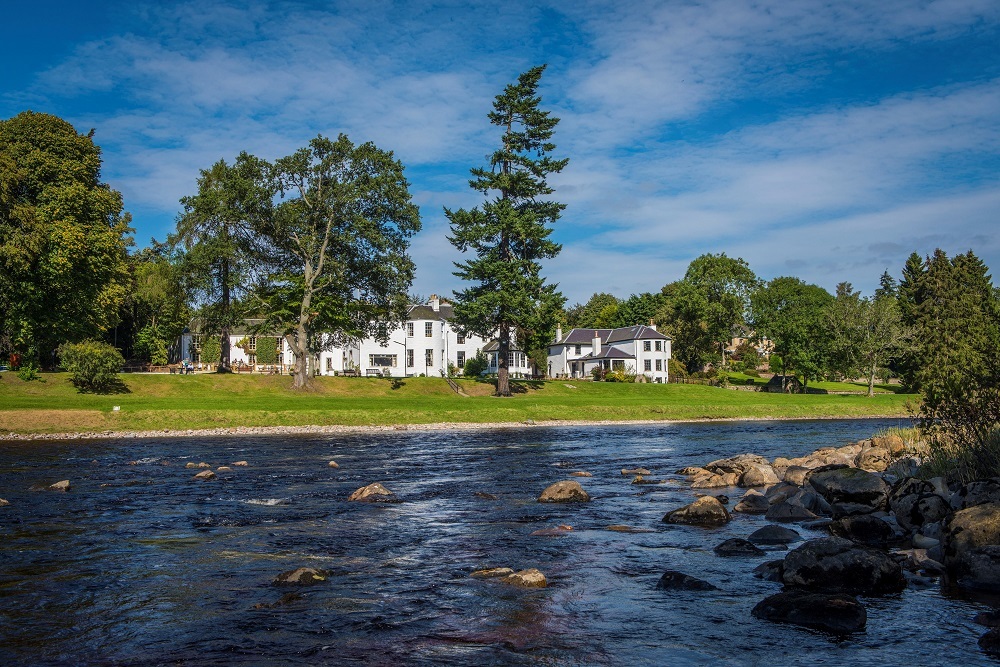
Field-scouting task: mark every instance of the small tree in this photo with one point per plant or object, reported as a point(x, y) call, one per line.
point(267, 350)
point(93, 365)
point(476, 366)
point(211, 350)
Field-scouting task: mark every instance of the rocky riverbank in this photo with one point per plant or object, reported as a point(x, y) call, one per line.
point(888, 529)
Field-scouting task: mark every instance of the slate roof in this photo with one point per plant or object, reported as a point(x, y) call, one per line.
point(425, 312)
point(494, 345)
point(586, 336)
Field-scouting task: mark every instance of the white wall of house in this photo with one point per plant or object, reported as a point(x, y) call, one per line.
point(644, 353)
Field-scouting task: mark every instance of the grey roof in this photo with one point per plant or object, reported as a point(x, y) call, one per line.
point(637, 332)
point(424, 312)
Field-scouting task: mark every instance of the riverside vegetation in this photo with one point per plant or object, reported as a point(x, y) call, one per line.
point(206, 401)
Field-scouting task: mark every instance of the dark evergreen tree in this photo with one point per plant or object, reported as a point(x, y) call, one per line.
point(510, 233)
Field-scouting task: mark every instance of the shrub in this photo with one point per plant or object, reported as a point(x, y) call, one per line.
point(28, 372)
point(598, 373)
point(676, 369)
point(476, 366)
point(150, 345)
point(93, 365)
point(620, 375)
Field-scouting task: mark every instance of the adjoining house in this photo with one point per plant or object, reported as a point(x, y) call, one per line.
point(639, 349)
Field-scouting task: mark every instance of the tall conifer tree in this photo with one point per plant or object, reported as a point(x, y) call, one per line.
point(509, 234)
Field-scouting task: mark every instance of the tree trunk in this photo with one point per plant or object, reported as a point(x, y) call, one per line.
point(298, 346)
point(503, 371)
point(225, 357)
point(871, 379)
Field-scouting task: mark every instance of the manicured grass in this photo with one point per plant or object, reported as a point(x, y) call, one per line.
point(849, 387)
point(155, 402)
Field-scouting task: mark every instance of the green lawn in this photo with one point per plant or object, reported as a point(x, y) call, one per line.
point(838, 387)
point(156, 402)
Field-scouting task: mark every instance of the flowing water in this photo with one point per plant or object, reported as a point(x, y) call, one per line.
point(139, 564)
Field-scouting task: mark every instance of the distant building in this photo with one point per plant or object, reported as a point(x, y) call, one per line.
point(639, 349)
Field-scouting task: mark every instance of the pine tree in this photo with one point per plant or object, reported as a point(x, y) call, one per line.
point(509, 234)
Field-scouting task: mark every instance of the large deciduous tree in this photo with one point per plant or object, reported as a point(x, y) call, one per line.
point(792, 314)
point(63, 238)
point(725, 285)
point(864, 333)
point(336, 247)
point(217, 235)
point(510, 233)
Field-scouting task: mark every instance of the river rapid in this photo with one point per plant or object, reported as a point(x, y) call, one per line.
point(139, 564)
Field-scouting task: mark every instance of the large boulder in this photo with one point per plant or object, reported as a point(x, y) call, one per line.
point(873, 459)
point(916, 502)
point(678, 581)
point(706, 511)
point(753, 502)
point(796, 475)
point(737, 464)
point(969, 529)
point(711, 480)
point(838, 565)
point(990, 643)
point(978, 569)
point(786, 512)
point(975, 493)
point(839, 614)
point(762, 475)
point(568, 491)
point(851, 490)
point(864, 529)
point(373, 493)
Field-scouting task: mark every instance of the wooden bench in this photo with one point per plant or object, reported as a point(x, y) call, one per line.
point(373, 371)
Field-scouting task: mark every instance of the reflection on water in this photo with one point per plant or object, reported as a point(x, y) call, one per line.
point(139, 564)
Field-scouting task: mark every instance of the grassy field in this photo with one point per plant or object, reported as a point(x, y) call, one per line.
point(852, 387)
point(155, 402)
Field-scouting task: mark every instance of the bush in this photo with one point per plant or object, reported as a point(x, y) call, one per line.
point(620, 375)
point(676, 369)
point(28, 372)
point(598, 373)
point(476, 366)
point(93, 365)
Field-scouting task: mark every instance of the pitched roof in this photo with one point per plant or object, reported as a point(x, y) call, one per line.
point(425, 312)
point(637, 332)
point(494, 345)
point(607, 353)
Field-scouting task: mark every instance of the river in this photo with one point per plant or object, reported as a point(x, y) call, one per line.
point(138, 564)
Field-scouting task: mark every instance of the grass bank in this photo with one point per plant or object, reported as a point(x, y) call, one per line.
point(157, 402)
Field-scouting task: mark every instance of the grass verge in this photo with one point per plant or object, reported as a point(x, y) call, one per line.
point(156, 402)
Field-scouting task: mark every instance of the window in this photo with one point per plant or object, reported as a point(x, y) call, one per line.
point(578, 349)
point(329, 364)
point(646, 346)
point(460, 359)
point(429, 329)
point(511, 360)
point(429, 356)
point(252, 344)
point(460, 340)
point(659, 364)
point(409, 329)
point(659, 346)
point(647, 365)
point(409, 358)
point(279, 346)
point(618, 364)
point(383, 360)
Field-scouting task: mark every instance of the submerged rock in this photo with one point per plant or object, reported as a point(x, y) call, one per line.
point(60, 486)
point(678, 581)
point(568, 491)
point(303, 576)
point(736, 547)
point(636, 471)
point(581, 473)
point(530, 578)
point(840, 614)
point(706, 511)
point(373, 493)
point(3, 503)
point(287, 598)
point(205, 475)
point(492, 573)
point(553, 532)
point(774, 535)
point(244, 464)
point(484, 495)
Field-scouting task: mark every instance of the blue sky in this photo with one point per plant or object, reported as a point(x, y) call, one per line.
point(824, 140)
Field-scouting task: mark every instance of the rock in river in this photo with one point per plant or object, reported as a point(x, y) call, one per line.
point(530, 578)
point(840, 614)
point(738, 547)
point(303, 576)
point(706, 511)
point(568, 491)
point(773, 535)
point(373, 493)
point(851, 490)
point(205, 475)
point(60, 486)
point(678, 581)
point(838, 565)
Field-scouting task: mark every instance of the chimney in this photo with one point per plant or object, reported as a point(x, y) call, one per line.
point(558, 332)
point(435, 303)
point(597, 344)
point(652, 325)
